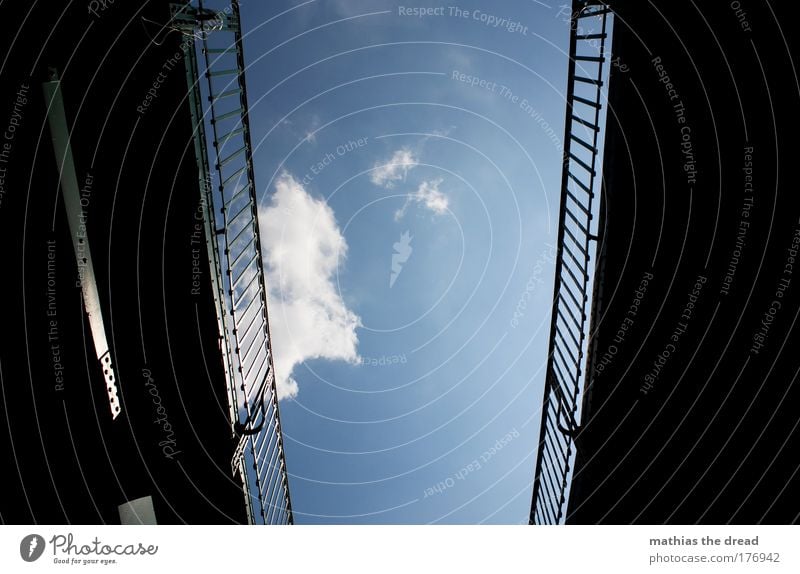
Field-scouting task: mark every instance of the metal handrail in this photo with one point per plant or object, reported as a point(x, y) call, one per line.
point(560, 417)
point(221, 124)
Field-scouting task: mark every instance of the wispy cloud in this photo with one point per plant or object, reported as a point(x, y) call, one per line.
point(395, 169)
point(303, 247)
point(427, 195)
point(311, 132)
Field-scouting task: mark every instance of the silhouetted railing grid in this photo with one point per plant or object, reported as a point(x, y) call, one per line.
point(588, 31)
point(218, 104)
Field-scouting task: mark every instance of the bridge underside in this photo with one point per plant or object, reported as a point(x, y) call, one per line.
point(71, 463)
point(690, 406)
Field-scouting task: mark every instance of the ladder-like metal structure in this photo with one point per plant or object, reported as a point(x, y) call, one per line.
point(573, 274)
point(217, 95)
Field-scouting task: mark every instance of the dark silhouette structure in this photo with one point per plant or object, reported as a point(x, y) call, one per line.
point(687, 403)
point(122, 76)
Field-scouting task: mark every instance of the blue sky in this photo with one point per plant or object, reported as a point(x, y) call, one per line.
point(412, 388)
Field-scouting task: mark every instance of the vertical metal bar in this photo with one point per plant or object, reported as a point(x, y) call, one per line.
point(76, 218)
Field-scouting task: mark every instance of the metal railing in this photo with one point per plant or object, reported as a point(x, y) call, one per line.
point(573, 274)
point(217, 95)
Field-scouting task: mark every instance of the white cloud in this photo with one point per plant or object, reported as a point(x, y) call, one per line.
point(395, 169)
point(303, 246)
point(429, 196)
